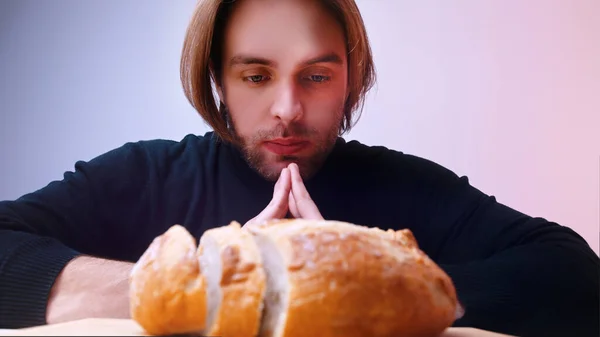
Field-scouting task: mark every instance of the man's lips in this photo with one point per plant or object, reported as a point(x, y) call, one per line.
point(286, 146)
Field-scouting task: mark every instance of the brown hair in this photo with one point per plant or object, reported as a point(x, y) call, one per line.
point(201, 60)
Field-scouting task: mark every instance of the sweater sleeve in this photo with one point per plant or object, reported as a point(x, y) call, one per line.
point(90, 211)
point(514, 273)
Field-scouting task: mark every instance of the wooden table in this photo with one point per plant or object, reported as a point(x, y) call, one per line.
point(84, 327)
point(125, 327)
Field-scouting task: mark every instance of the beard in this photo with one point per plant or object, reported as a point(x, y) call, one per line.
point(269, 165)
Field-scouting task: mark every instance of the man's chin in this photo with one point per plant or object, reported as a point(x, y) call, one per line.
point(272, 170)
point(269, 165)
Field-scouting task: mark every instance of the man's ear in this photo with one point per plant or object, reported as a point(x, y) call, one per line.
point(218, 82)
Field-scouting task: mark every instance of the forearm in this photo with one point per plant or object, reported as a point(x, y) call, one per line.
point(91, 211)
point(514, 273)
point(90, 287)
point(29, 265)
point(538, 289)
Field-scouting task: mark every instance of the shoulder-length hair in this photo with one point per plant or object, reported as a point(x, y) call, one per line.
point(201, 61)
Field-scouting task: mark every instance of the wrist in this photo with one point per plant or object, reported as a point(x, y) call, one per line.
point(90, 287)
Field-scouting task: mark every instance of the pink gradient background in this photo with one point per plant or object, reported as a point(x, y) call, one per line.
point(506, 92)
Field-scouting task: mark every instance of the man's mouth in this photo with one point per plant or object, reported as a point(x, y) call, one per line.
point(286, 146)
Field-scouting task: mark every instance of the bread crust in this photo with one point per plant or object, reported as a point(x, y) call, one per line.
point(348, 280)
point(167, 292)
point(243, 282)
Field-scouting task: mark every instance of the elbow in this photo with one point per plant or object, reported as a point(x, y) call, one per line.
point(575, 301)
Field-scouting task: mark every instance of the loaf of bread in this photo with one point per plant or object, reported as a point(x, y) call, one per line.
point(292, 278)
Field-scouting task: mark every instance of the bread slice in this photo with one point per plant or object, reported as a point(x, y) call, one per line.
point(235, 281)
point(167, 292)
point(330, 278)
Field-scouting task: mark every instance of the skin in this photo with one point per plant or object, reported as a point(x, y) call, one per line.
point(284, 83)
point(284, 75)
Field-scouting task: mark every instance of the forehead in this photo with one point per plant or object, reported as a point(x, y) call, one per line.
point(284, 31)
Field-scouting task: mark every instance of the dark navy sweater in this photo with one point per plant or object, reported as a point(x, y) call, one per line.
point(514, 273)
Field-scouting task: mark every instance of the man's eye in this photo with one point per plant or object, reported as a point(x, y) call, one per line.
point(255, 78)
point(319, 78)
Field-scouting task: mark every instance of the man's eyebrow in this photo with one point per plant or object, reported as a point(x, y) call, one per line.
point(249, 60)
point(327, 58)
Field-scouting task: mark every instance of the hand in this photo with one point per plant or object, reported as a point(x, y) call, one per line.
point(299, 201)
point(289, 194)
point(278, 207)
point(470, 332)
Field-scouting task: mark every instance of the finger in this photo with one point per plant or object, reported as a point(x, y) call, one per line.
point(272, 208)
point(278, 206)
point(292, 205)
point(305, 206)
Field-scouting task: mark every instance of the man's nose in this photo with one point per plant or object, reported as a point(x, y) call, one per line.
point(286, 105)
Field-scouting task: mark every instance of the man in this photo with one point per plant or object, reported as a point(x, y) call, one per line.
point(289, 75)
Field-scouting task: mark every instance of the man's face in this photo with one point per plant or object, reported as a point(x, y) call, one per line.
point(284, 82)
